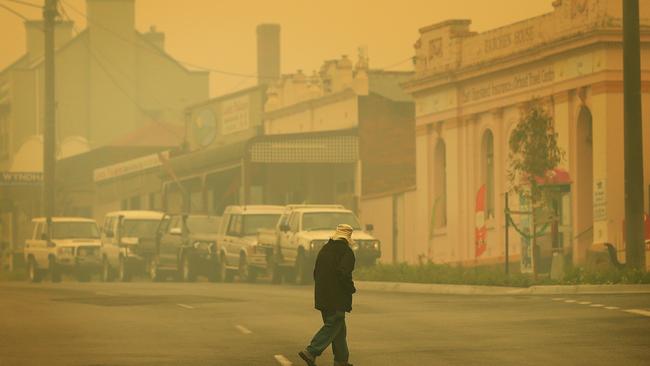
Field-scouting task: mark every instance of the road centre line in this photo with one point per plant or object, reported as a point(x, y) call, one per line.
point(638, 312)
point(597, 305)
point(570, 301)
point(612, 307)
point(584, 302)
point(558, 299)
point(185, 306)
point(243, 329)
point(282, 360)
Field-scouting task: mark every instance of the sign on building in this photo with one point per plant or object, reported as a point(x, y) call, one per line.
point(235, 115)
point(128, 167)
point(600, 200)
point(21, 178)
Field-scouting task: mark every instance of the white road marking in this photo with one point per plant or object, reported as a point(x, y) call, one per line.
point(570, 301)
point(558, 299)
point(185, 306)
point(584, 302)
point(612, 307)
point(243, 329)
point(596, 305)
point(282, 360)
point(638, 312)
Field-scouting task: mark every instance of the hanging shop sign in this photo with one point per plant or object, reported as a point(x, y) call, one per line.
point(131, 166)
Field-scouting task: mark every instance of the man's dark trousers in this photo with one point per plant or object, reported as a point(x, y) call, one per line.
point(333, 331)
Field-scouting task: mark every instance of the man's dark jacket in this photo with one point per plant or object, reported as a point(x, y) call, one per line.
point(333, 277)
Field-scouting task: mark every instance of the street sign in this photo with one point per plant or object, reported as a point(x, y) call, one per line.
point(21, 178)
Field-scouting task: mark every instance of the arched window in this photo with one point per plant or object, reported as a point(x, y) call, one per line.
point(487, 170)
point(440, 185)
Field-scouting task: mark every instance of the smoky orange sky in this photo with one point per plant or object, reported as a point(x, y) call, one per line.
point(220, 34)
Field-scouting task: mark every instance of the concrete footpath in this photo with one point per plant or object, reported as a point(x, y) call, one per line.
point(439, 289)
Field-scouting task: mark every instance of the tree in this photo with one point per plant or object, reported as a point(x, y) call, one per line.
point(534, 155)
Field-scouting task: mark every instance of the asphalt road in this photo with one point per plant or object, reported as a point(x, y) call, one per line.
point(144, 323)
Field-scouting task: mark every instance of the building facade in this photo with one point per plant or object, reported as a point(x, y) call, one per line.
point(469, 89)
point(110, 80)
point(342, 135)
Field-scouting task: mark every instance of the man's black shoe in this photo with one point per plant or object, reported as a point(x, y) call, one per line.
point(307, 358)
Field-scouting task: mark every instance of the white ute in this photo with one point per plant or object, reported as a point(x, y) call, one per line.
point(68, 245)
point(238, 240)
point(303, 230)
point(128, 242)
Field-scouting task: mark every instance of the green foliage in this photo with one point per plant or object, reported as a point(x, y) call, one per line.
point(490, 275)
point(534, 151)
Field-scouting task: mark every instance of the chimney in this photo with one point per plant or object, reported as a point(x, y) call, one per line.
point(268, 53)
point(156, 38)
point(34, 37)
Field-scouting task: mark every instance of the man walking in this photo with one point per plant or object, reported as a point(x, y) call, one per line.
point(333, 296)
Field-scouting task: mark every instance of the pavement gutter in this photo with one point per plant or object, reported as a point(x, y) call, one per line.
point(439, 289)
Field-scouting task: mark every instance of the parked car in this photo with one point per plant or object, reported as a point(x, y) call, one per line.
point(186, 246)
point(303, 230)
point(128, 241)
point(238, 242)
point(65, 245)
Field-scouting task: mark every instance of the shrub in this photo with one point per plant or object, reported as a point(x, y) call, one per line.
point(490, 275)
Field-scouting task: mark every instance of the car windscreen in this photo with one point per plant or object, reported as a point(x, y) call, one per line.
point(139, 228)
point(203, 224)
point(253, 223)
point(328, 220)
point(74, 230)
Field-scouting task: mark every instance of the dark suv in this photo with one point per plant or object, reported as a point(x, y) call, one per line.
point(186, 247)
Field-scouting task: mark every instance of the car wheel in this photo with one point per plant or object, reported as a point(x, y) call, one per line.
point(107, 271)
point(123, 272)
point(301, 270)
point(187, 270)
point(32, 271)
point(228, 275)
point(246, 273)
point(55, 271)
point(214, 271)
point(275, 272)
point(154, 271)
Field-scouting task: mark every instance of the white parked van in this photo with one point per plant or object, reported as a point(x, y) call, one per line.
point(128, 240)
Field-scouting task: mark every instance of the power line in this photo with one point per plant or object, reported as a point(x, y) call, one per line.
point(398, 63)
point(26, 3)
point(132, 99)
point(12, 11)
point(157, 51)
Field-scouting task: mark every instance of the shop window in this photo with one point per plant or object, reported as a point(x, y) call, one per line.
point(440, 185)
point(487, 171)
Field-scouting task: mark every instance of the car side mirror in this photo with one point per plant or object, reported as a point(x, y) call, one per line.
point(284, 227)
point(175, 231)
point(370, 227)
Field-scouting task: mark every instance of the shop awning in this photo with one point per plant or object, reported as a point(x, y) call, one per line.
point(322, 147)
point(204, 161)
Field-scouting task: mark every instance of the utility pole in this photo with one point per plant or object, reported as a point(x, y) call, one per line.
point(633, 144)
point(49, 148)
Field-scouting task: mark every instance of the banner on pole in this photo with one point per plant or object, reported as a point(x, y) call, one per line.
point(480, 233)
